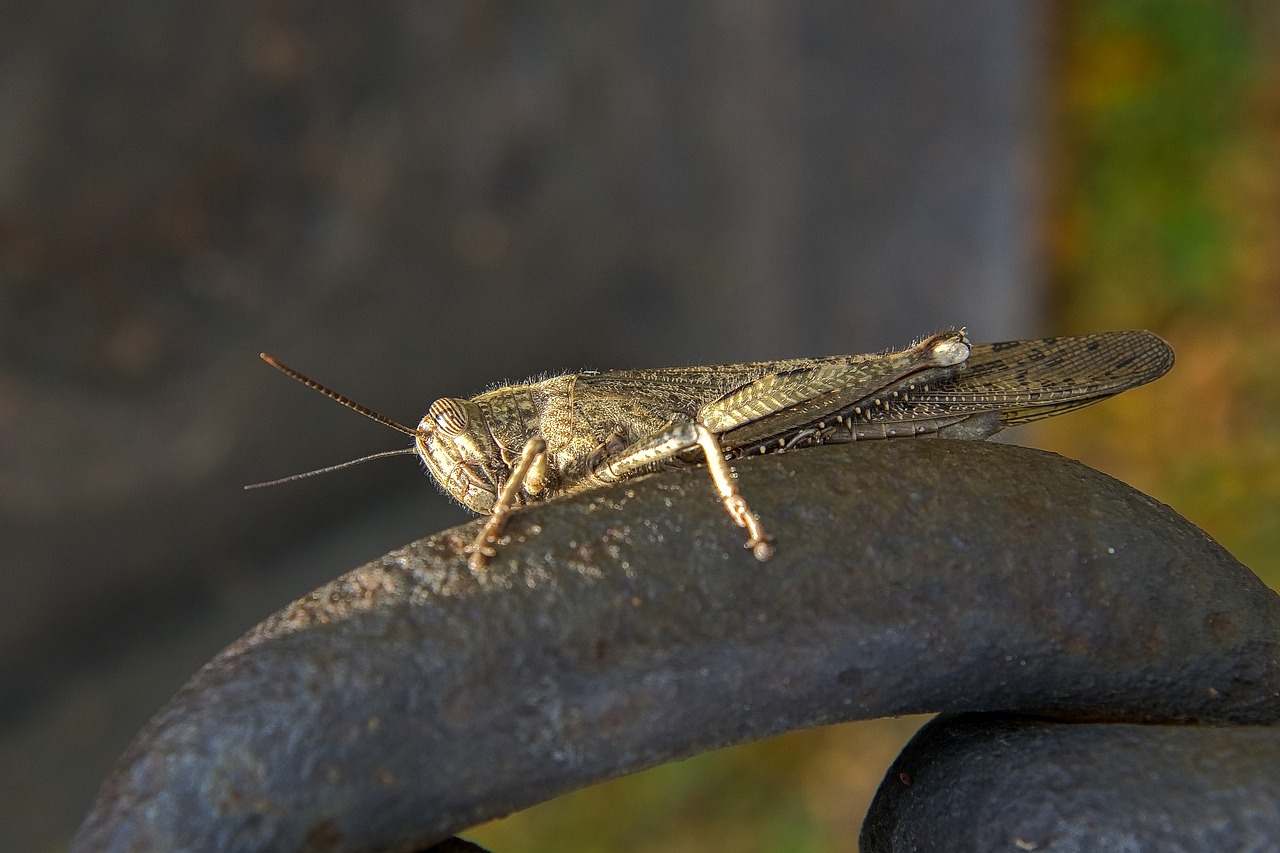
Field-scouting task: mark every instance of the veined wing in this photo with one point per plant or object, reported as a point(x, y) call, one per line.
point(781, 402)
point(1033, 379)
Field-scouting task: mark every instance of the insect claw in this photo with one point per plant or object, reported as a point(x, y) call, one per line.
point(478, 556)
point(762, 549)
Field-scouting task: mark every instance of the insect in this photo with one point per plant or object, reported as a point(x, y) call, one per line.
point(546, 438)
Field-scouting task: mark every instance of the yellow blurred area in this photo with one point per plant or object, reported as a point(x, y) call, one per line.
point(1113, 70)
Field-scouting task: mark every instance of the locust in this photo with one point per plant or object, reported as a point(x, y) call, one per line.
point(547, 438)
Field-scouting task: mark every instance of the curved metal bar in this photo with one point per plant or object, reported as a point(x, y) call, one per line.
point(626, 627)
point(987, 782)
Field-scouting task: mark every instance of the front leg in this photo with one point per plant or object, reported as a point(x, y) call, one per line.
point(677, 437)
point(524, 473)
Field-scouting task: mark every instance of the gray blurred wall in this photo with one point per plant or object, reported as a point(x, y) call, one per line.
point(408, 200)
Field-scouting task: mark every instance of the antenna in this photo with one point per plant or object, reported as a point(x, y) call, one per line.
point(404, 451)
point(350, 404)
point(335, 396)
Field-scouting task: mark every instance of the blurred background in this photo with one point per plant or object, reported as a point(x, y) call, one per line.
point(414, 199)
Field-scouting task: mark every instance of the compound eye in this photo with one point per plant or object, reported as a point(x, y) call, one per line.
point(449, 416)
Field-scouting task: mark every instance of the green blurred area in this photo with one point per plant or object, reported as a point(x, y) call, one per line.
point(1153, 91)
point(1165, 214)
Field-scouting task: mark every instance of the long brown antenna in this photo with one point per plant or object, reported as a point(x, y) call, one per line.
point(337, 398)
point(404, 451)
point(350, 404)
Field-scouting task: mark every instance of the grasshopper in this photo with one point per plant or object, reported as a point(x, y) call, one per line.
point(546, 438)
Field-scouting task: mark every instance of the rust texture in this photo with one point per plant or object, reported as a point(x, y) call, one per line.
point(626, 627)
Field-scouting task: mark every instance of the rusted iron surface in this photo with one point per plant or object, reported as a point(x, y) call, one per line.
point(411, 698)
point(987, 782)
